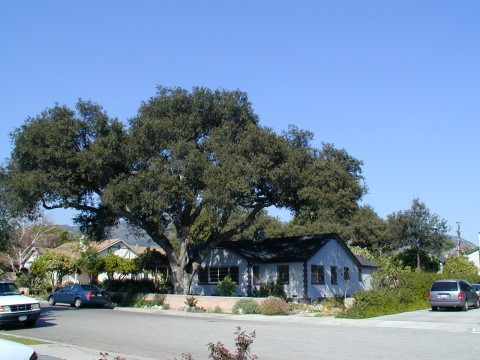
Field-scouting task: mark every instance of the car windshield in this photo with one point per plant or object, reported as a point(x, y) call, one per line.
point(9, 289)
point(476, 286)
point(445, 286)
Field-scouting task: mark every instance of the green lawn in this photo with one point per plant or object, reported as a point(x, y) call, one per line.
point(21, 340)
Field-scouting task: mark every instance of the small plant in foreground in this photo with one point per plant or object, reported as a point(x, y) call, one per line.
point(218, 351)
point(104, 356)
point(243, 341)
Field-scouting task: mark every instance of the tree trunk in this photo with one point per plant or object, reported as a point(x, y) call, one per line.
point(181, 281)
point(418, 261)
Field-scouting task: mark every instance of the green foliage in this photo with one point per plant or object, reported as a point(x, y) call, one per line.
point(135, 286)
point(389, 272)
point(360, 251)
point(460, 267)
point(184, 166)
point(226, 287)
point(142, 301)
point(52, 266)
point(246, 306)
point(113, 264)
point(409, 258)
point(272, 289)
point(150, 261)
point(418, 229)
point(367, 230)
point(411, 294)
point(274, 306)
point(243, 341)
point(36, 284)
point(217, 310)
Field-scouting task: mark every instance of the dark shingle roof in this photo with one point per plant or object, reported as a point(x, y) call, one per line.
point(284, 249)
point(365, 262)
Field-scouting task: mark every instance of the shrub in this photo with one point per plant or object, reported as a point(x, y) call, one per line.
point(246, 306)
point(191, 301)
point(410, 295)
point(217, 310)
point(136, 286)
point(142, 301)
point(226, 287)
point(272, 289)
point(274, 306)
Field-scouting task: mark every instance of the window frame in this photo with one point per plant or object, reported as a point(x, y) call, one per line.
point(256, 274)
point(212, 275)
point(283, 274)
point(317, 274)
point(333, 275)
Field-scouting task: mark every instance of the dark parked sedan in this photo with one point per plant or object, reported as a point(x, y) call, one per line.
point(79, 295)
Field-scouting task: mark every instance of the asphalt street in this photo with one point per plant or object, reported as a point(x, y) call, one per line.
point(147, 334)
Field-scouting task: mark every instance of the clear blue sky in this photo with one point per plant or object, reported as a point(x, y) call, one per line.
point(395, 83)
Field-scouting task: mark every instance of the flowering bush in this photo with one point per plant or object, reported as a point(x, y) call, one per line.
point(274, 306)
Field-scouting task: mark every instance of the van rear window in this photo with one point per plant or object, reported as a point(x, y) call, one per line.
point(445, 286)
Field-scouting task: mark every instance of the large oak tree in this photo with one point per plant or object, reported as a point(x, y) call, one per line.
point(192, 169)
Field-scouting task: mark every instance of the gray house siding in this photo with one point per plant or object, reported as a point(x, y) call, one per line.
point(270, 257)
point(334, 255)
point(221, 257)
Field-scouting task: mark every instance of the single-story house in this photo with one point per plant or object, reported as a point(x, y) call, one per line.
point(309, 267)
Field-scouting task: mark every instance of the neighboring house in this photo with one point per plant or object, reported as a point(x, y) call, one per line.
point(112, 246)
point(117, 247)
point(309, 267)
point(474, 256)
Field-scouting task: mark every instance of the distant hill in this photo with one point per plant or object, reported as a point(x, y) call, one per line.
point(121, 231)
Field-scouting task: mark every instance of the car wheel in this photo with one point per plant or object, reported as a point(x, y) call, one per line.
point(465, 305)
point(434, 308)
point(51, 301)
point(77, 303)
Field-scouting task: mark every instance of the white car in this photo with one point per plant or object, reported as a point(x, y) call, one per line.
point(11, 350)
point(16, 308)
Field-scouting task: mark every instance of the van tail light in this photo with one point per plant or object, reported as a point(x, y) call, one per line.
point(429, 296)
point(90, 294)
point(460, 295)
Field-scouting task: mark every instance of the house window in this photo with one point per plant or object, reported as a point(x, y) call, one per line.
point(333, 275)
point(256, 274)
point(318, 275)
point(360, 277)
point(203, 275)
point(218, 273)
point(346, 273)
point(283, 274)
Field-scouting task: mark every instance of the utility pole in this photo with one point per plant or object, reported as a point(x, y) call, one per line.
point(459, 240)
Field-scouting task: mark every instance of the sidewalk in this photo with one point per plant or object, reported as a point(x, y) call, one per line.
point(59, 351)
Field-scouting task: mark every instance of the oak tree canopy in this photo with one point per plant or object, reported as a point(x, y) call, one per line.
point(191, 168)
